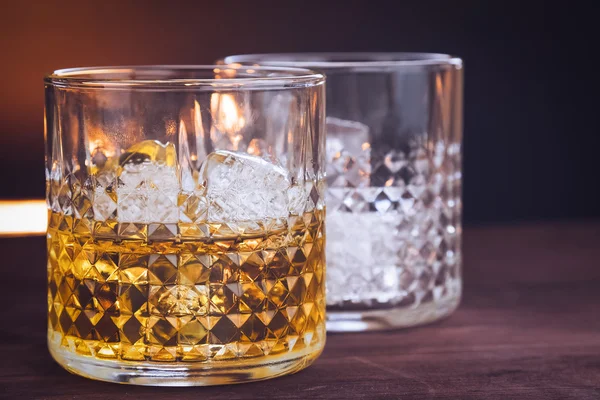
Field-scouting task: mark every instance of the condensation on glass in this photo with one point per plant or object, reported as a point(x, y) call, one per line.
point(186, 222)
point(394, 133)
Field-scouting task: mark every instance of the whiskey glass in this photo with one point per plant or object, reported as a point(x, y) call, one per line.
point(394, 149)
point(186, 222)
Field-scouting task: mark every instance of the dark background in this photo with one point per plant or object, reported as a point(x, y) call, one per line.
point(531, 98)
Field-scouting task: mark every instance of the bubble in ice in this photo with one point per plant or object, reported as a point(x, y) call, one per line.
point(243, 187)
point(148, 183)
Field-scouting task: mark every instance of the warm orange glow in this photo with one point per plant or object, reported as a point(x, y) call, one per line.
point(227, 113)
point(228, 118)
point(23, 218)
point(170, 127)
point(198, 126)
point(230, 71)
point(101, 150)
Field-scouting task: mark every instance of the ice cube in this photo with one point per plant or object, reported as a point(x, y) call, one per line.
point(151, 151)
point(348, 153)
point(148, 183)
point(357, 240)
point(297, 200)
point(243, 187)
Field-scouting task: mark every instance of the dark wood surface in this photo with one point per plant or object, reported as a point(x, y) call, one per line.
point(528, 328)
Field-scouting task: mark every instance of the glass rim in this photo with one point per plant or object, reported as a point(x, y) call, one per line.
point(347, 60)
point(267, 77)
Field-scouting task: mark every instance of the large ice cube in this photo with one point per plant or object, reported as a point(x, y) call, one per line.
point(242, 187)
point(362, 256)
point(148, 183)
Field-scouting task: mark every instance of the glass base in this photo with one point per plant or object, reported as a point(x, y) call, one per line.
point(182, 374)
point(390, 318)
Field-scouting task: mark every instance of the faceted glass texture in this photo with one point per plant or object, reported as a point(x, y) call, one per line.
point(186, 223)
point(393, 149)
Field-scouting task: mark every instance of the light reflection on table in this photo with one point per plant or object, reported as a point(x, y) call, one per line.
point(23, 217)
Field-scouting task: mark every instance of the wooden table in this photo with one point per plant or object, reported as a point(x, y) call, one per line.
point(528, 328)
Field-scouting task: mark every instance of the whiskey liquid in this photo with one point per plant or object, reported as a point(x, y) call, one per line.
point(138, 292)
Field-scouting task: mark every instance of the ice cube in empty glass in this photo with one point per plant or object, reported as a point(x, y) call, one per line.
point(394, 132)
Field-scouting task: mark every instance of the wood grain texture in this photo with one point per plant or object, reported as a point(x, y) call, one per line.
point(528, 328)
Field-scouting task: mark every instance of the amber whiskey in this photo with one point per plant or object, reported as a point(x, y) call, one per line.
point(214, 298)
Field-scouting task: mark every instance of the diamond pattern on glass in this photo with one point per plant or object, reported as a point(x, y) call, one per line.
point(393, 220)
point(142, 270)
point(181, 303)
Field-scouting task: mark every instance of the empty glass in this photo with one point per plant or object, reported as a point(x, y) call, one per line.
point(186, 235)
point(394, 131)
